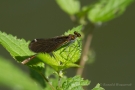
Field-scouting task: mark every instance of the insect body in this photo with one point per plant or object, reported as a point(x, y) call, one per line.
point(49, 45)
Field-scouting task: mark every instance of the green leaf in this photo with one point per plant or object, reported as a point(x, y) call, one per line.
point(107, 10)
point(66, 56)
point(73, 51)
point(18, 49)
point(97, 87)
point(14, 78)
point(69, 6)
point(75, 83)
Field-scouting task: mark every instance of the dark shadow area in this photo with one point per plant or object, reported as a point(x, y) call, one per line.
point(35, 70)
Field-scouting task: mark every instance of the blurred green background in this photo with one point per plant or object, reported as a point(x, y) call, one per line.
point(113, 43)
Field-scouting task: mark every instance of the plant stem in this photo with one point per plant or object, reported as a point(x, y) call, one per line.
point(47, 81)
point(84, 56)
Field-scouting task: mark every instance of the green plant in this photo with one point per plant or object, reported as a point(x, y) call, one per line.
point(91, 17)
point(61, 60)
point(44, 65)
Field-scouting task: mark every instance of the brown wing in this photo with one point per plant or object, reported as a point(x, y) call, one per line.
point(47, 45)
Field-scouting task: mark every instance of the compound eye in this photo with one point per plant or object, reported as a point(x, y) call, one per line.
point(77, 34)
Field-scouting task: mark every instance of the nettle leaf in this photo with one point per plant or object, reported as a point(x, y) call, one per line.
point(73, 50)
point(18, 49)
point(97, 87)
point(15, 79)
point(106, 10)
point(66, 56)
point(75, 83)
point(69, 6)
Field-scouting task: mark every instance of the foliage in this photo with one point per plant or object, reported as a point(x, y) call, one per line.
point(102, 11)
point(62, 58)
point(13, 77)
point(18, 48)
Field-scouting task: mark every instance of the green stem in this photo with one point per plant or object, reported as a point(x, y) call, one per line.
point(47, 81)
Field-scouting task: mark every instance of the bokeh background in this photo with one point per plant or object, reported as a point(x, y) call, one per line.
point(113, 43)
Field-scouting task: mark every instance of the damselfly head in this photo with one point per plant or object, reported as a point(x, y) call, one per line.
point(77, 34)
